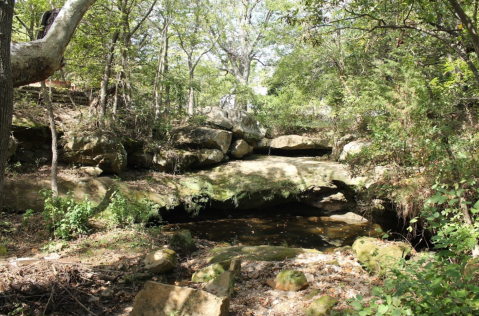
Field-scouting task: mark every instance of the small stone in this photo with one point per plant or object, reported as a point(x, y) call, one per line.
point(291, 280)
point(321, 306)
point(161, 261)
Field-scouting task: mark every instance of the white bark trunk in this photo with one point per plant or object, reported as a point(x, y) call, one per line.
point(37, 60)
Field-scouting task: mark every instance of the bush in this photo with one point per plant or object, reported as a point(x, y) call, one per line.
point(438, 283)
point(65, 218)
point(127, 211)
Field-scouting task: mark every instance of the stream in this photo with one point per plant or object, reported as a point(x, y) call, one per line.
point(292, 225)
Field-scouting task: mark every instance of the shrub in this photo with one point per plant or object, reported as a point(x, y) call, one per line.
point(65, 218)
point(435, 284)
point(127, 211)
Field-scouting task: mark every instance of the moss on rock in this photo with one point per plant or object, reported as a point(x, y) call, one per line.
point(211, 272)
point(321, 306)
point(377, 255)
point(291, 280)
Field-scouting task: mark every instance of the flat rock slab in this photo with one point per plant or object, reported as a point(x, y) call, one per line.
point(256, 253)
point(239, 184)
point(158, 299)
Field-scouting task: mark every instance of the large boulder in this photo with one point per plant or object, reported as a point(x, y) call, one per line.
point(242, 123)
point(217, 117)
point(296, 142)
point(34, 141)
point(158, 299)
point(222, 285)
point(175, 160)
point(167, 160)
point(208, 157)
point(353, 147)
point(161, 261)
point(339, 144)
point(378, 255)
point(103, 151)
point(240, 148)
point(246, 127)
point(202, 137)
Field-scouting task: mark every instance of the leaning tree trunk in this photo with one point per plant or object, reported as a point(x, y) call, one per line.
point(37, 60)
point(24, 63)
point(6, 87)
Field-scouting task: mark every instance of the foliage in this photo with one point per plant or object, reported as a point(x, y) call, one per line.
point(126, 210)
point(435, 284)
point(65, 218)
point(182, 241)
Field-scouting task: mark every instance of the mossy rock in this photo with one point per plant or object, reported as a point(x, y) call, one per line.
point(3, 251)
point(161, 261)
point(377, 255)
point(211, 272)
point(321, 306)
point(182, 241)
point(256, 253)
point(291, 280)
point(312, 294)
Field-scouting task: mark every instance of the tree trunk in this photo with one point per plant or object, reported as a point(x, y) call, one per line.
point(161, 87)
point(468, 24)
point(37, 60)
point(51, 118)
point(105, 80)
point(6, 87)
point(191, 94)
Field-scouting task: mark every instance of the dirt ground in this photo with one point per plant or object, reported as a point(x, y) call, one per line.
point(100, 273)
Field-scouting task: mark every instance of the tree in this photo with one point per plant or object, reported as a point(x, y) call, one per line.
point(6, 85)
point(241, 31)
point(24, 63)
point(192, 32)
point(448, 21)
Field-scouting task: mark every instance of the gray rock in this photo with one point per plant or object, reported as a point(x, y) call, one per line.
point(161, 261)
point(246, 127)
point(158, 299)
point(222, 285)
point(353, 148)
point(240, 148)
point(339, 143)
point(102, 151)
point(264, 143)
point(217, 117)
point(242, 123)
point(202, 137)
point(349, 218)
point(91, 171)
point(207, 157)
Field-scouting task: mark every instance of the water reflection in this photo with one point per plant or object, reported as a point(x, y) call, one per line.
point(319, 232)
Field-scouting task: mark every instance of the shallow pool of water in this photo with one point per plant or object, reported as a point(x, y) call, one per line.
point(318, 232)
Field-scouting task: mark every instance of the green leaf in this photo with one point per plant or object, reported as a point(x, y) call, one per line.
point(382, 309)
